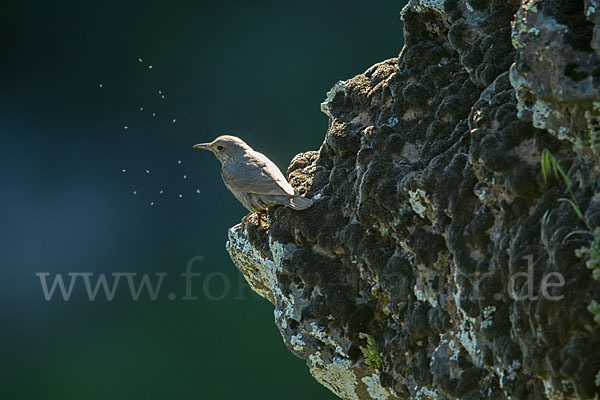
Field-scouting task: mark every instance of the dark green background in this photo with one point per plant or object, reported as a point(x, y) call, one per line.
point(258, 70)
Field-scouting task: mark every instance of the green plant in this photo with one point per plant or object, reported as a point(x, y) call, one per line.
point(593, 253)
point(594, 308)
point(373, 358)
point(593, 124)
point(593, 263)
point(549, 166)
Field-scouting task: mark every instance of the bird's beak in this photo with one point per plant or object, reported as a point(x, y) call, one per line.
point(203, 146)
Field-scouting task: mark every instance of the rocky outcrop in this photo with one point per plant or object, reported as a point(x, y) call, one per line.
point(438, 259)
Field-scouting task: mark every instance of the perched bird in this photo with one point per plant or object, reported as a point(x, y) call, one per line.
point(252, 178)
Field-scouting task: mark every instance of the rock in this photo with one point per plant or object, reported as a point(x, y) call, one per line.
point(434, 234)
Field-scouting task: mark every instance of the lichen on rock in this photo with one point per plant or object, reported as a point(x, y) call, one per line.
point(433, 230)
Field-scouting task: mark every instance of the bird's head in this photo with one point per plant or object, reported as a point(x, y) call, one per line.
point(225, 148)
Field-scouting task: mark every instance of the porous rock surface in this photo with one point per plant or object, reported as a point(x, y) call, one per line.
point(432, 228)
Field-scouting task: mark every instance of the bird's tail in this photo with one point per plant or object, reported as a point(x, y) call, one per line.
point(295, 202)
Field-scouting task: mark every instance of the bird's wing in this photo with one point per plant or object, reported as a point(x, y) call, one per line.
point(255, 173)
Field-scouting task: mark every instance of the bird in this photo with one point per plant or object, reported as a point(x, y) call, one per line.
point(252, 178)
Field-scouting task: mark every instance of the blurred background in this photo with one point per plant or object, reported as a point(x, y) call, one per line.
point(99, 176)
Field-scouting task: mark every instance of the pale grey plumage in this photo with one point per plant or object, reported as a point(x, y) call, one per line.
point(252, 178)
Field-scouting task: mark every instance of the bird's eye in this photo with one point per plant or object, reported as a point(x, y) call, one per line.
point(219, 147)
